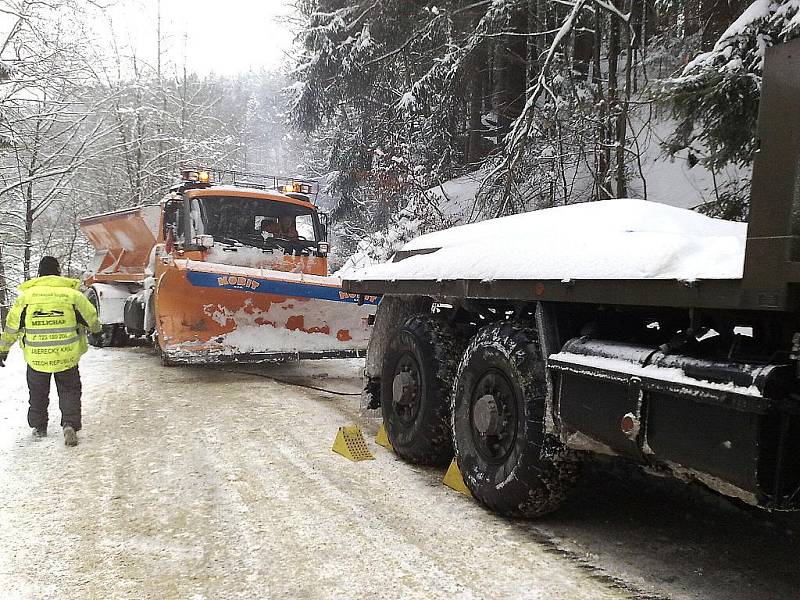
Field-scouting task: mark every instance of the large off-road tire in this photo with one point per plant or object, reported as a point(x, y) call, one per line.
point(417, 377)
point(507, 460)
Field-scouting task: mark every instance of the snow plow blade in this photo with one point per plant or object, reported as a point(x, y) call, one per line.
point(213, 313)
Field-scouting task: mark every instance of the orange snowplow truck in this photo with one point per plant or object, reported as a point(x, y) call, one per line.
point(224, 271)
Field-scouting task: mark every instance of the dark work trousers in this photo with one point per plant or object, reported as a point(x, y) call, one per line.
point(68, 384)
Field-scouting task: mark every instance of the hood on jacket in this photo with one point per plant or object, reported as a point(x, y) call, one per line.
point(51, 281)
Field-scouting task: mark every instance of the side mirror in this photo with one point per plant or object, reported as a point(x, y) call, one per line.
point(324, 221)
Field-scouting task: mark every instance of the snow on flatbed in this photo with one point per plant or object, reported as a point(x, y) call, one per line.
point(612, 239)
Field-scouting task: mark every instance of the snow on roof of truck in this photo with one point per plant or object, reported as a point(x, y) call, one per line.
point(247, 192)
point(610, 239)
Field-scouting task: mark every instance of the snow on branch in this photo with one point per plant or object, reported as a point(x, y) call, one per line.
point(523, 125)
point(716, 95)
point(608, 6)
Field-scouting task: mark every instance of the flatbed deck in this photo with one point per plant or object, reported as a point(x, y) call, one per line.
point(709, 294)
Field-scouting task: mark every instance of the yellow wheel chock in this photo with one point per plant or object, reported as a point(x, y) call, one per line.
point(382, 439)
point(350, 443)
point(454, 480)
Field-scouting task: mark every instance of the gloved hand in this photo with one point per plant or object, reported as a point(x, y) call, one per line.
point(3, 358)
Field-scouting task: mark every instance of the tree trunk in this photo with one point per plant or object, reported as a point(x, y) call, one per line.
point(4, 292)
point(511, 71)
point(534, 42)
point(29, 216)
point(26, 256)
point(475, 151)
point(602, 154)
point(691, 17)
point(622, 112)
point(613, 92)
point(583, 47)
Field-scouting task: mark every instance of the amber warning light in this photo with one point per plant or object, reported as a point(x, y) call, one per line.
point(196, 175)
point(296, 188)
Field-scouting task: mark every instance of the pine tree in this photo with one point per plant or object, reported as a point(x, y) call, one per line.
point(715, 98)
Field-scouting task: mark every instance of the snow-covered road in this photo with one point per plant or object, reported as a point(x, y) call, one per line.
point(194, 483)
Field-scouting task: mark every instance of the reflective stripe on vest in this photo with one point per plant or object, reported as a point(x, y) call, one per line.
point(46, 331)
point(48, 343)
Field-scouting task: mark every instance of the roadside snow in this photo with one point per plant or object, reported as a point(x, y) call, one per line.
point(13, 396)
point(613, 239)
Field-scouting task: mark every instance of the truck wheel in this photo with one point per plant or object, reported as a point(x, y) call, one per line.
point(120, 337)
point(417, 376)
point(507, 461)
point(108, 335)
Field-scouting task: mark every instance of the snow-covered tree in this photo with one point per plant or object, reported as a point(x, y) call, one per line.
point(716, 96)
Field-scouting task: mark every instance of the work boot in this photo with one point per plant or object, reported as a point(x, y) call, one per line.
point(40, 432)
point(70, 437)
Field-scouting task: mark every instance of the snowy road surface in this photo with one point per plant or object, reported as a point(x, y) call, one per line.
point(193, 483)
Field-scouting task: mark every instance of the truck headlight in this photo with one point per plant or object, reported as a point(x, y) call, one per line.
point(323, 247)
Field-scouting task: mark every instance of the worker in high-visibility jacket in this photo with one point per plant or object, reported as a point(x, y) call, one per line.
point(49, 319)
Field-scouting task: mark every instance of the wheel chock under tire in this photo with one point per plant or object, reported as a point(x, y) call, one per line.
point(350, 443)
point(454, 480)
point(382, 439)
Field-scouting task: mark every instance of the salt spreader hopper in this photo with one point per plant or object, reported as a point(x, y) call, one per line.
point(224, 271)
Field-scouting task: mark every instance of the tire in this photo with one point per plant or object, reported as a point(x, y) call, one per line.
point(506, 459)
point(417, 377)
point(120, 337)
point(108, 336)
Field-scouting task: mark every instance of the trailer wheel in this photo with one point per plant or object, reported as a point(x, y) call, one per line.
point(507, 461)
point(418, 371)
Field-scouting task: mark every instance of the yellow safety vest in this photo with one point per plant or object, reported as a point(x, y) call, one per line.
point(44, 319)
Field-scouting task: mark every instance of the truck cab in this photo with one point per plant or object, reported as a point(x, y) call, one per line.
point(244, 226)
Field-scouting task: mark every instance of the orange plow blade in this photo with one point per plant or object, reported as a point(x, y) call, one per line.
point(217, 313)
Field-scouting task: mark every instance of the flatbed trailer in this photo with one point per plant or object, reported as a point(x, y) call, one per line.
point(522, 379)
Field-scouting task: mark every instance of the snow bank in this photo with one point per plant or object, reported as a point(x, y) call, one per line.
point(612, 239)
point(13, 403)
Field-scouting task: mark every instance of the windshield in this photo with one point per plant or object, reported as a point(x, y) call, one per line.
point(253, 221)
